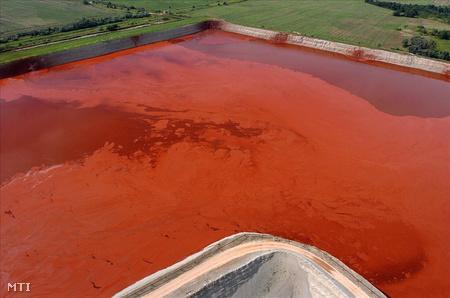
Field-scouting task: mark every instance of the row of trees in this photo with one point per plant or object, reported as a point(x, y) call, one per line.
point(81, 24)
point(113, 5)
point(422, 46)
point(415, 10)
point(441, 34)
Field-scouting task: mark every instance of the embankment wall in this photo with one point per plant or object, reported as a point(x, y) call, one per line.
point(358, 53)
point(158, 279)
point(25, 65)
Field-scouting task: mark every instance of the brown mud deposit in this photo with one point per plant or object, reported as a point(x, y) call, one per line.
point(115, 167)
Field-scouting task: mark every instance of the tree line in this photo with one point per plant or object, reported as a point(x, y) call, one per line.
point(113, 5)
point(80, 24)
point(132, 12)
point(441, 34)
point(415, 10)
point(425, 47)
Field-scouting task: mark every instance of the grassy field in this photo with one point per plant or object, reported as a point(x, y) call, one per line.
point(17, 15)
point(349, 21)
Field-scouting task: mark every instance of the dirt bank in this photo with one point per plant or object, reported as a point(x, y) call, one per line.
point(407, 61)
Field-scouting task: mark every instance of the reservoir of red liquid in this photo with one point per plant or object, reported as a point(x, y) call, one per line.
point(115, 167)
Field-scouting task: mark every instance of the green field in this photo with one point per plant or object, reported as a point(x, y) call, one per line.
point(18, 15)
point(349, 21)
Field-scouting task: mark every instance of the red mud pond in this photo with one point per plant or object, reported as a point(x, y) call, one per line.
point(115, 167)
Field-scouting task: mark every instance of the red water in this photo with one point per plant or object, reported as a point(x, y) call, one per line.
point(116, 167)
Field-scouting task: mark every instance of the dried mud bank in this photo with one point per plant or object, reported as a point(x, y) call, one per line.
point(359, 53)
point(254, 265)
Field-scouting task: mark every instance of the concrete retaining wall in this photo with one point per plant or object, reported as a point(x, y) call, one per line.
point(44, 61)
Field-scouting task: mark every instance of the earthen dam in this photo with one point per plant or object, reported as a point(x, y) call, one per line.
point(255, 265)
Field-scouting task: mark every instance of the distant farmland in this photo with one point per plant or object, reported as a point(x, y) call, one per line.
point(17, 15)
